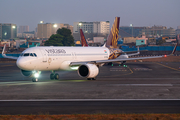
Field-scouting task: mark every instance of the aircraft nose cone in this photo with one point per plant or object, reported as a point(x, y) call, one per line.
point(21, 63)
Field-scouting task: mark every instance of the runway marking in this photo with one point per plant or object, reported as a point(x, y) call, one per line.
point(167, 66)
point(127, 73)
point(21, 83)
point(130, 70)
point(118, 69)
point(36, 100)
point(144, 69)
point(73, 80)
point(37, 83)
point(156, 85)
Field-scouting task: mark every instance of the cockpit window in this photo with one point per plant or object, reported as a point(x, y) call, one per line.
point(26, 54)
point(31, 54)
point(22, 54)
point(35, 54)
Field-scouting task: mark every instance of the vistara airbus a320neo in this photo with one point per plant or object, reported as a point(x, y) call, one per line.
point(87, 59)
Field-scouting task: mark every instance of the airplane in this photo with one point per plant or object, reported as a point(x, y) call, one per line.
point(86, 60)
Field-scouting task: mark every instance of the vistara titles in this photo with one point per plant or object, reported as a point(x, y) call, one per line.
point(55, 51)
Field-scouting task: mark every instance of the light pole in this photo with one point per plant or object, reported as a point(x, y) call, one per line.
point(41, 22)
point(80, 25)
point(55, 28)
point(12, 35)
point(132, 29)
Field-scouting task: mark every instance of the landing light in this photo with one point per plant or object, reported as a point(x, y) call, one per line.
point(74, 67)
point(165, 55)
point(36, 75)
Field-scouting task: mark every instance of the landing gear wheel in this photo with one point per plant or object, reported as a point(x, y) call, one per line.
point(88, 78)
point(34, 80)
point(52, 76)
point(93, 78)
point(56, 76)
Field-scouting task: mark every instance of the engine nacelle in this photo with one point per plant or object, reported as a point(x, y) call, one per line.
point(27, 73)
point(123, 56)
point(88, 70)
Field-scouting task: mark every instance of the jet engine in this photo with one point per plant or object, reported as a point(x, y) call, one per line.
point(27, 73)
point(88, 70)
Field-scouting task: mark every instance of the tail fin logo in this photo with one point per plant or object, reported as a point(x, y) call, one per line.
point(83, 40)
point(114, 34)
point(115, 37)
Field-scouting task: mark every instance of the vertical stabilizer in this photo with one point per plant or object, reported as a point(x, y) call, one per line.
point(114, 33)
point(83, 40)
point(178, 38)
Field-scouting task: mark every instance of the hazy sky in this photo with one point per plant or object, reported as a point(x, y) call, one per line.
point(137, 12)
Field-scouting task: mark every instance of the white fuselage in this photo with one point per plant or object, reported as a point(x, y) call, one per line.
point(59, 58)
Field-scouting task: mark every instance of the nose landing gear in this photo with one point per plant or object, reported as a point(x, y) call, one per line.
point(36, 75)
point(34, 80)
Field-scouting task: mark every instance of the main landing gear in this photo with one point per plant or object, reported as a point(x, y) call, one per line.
point(54, 76)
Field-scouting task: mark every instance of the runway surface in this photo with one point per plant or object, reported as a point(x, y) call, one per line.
point(89, 107)
point(153, 85)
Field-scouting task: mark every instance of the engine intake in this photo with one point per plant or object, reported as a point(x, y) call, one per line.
point(27, 73)
point(88, 70)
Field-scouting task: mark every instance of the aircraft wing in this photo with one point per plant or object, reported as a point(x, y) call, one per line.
point(4, 55)
point(114, 60)
point(133, 54)
point(119, 60)
point(128, 59)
